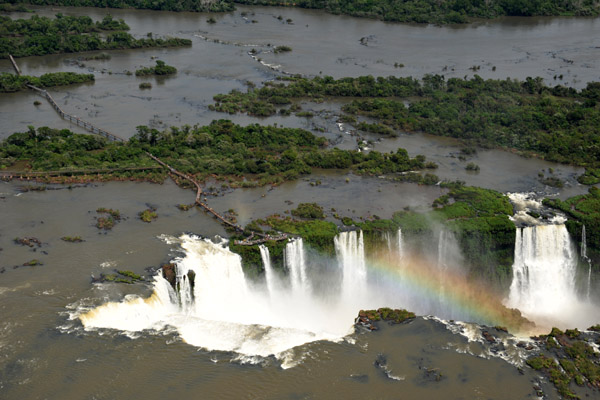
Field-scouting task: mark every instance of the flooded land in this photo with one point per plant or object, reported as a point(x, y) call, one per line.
point(288, 333)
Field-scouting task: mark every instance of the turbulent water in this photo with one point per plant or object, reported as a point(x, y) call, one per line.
point(43, 354)
point(545, 270)
point(224, 311)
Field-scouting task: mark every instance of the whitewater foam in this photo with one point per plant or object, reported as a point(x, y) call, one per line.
point(223, 311)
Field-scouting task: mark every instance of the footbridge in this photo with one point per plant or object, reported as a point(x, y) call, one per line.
point(262, 238)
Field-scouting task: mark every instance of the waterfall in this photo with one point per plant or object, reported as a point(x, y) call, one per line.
point(400, 244)
point(442, 265)
point(296, 265)
point(585, 258)
point(269, 273)
point(388, 240)
point(350, 250)
point(223, 311)
point(543, 271)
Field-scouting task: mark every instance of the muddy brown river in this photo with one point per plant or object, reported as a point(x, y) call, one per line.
point(45, 350)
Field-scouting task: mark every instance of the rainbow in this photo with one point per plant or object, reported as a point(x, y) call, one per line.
point(465, 298)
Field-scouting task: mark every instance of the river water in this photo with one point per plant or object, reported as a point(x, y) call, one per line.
point(45, 353)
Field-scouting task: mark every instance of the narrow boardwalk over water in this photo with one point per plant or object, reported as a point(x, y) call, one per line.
point(250, 241)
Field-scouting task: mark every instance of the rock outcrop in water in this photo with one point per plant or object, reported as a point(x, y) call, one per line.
point(169, 273)
point(368, 318)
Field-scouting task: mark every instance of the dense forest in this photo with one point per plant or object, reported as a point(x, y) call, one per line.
point(245, 156)
point(556, 123)
point(419, 11)
point(441, 12)
point(164, 5)
point(14, 83)
point(64, 34)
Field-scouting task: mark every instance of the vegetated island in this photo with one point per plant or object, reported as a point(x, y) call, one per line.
point(569, 357)
point(418, 11)
point(38, 36)
point(15, 83)
point(247, 156)
point(160, 69)
point(558, 123)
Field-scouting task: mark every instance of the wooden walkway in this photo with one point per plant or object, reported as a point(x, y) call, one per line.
point(75, 120)
point(250, 241)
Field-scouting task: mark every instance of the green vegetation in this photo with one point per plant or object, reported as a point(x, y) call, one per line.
point(164, 5)
point(316, 233)
point(32, 263)
point(251, 259)
point(108, 222)
point(282, 49)
point(9, 7)
point(594, 328)
point(444, 12)
point(477, 218)
point(40, 35)
point(145, 85)
point(569, 359)
point(72, 239)
point(558, 124)
point(148, 215)
point(130, 274)
point(14, 83)
point(582, 210)
point(395, 316)
point(309, 211)
point(185, 207)
point(97, 57)
point(591, 176)
point(420, 11)
point(127, 277)
point(160, 69)
point(245, 156)
point(113, 213)
point(472, 167)
point(105, 223)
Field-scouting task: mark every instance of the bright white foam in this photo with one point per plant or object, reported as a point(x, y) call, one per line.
point(544, 278)
point(226, 312)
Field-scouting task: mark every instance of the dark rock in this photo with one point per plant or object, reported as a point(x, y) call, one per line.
point(168, 272)
point(488, 336)
point(192, 277)
point(28, 241)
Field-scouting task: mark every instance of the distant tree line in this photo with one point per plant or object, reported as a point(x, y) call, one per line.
point(64, 34)
point(419, 11)
point(164, 5)
point(441, 12)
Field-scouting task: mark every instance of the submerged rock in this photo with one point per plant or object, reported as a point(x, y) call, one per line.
point(28, 241)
